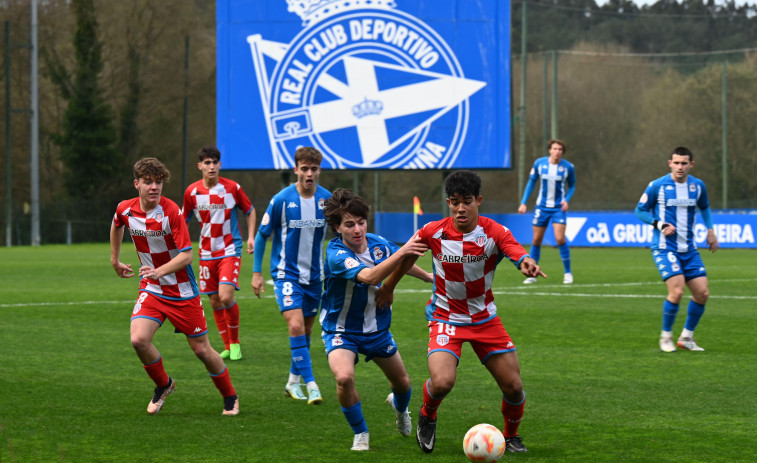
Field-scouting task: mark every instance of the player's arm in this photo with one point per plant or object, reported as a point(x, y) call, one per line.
point(179, 261)
point(510, 248)
point(251, 238)
point(258, 284)
point(419, 273)
point(116, 238)
point(712, 239)
point(571, 189)
point(374, 276)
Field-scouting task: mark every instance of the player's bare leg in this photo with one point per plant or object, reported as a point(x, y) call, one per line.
point(399, 398)
point(505, 368)
point(218, 372)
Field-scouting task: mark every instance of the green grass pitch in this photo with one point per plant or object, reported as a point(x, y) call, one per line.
point(598, 389)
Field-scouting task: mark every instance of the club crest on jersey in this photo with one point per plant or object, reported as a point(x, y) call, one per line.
point(480, 239)
point(321, 203)
point(137, 308)
point(159, 217)
point(337, 340)
point(288, 301)
point(692, 187)
point(377, 253)
point(442, 340)
point(353, 75)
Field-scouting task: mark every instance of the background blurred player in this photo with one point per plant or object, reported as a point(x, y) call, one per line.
point(167, 286)
point(670, 204)
point(214, 201)
point(295, 219)
point(557, 183)
point(352, 323)
point(466, 249)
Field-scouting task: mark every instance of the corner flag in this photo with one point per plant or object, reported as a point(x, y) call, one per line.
point(417, 206)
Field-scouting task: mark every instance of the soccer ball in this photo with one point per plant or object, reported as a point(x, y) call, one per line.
point(484, 442)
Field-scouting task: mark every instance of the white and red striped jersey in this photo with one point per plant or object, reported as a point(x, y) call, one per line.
point(464, 267)
point(159, 235)
point(215, 209)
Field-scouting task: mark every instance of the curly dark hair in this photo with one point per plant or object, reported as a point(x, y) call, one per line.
point(344, 201)
point(463, 183)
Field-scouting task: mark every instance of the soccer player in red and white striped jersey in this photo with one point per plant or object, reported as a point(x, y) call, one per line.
point(214, 201)
point(466, 249)
point(167, 288)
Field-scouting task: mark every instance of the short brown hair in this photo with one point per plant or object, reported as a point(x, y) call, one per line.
point(208, 152)
point(307, 154)
point(344, 201)
point(151, 169)
point(559, 142)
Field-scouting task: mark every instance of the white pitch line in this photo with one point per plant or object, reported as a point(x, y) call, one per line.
point(498, 291)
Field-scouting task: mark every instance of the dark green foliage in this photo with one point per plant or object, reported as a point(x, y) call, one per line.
point(87, 140)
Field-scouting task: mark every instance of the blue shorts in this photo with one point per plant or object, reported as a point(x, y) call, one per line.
point(380, 344)
point(543, 216)
point(292, 295)
point(669, 263)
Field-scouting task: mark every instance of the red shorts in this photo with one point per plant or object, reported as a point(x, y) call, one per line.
point(486, 339)
point(223, 271)
point(186, 315)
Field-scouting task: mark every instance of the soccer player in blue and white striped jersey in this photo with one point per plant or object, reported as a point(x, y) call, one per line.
point(295, 220)
point(669, 204)
point(557, 183)
point(352, 322)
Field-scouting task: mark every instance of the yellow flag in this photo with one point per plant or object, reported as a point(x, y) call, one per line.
point(417, 206)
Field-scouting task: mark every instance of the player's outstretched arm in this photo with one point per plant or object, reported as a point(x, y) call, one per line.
point(374, 276)
point(258, 284)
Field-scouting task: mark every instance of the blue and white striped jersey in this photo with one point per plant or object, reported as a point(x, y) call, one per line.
point(675, 203)
point(298, 228)
point(348, 306)
point(557, 183)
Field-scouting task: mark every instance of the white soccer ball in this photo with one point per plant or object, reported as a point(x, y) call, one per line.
point(484, 442)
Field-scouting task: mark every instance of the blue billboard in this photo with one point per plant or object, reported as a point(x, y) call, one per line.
point(733, 228)
point(373, 84)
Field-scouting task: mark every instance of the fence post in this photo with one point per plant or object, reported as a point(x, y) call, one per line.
point(725, 133)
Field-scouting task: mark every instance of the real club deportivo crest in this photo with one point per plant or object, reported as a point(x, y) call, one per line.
point(362, 74)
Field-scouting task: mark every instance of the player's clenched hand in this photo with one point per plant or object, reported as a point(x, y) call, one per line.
point(384, 297)
point(258, 285)
point(250, 245)
point(123, 270)
point(530, 268)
